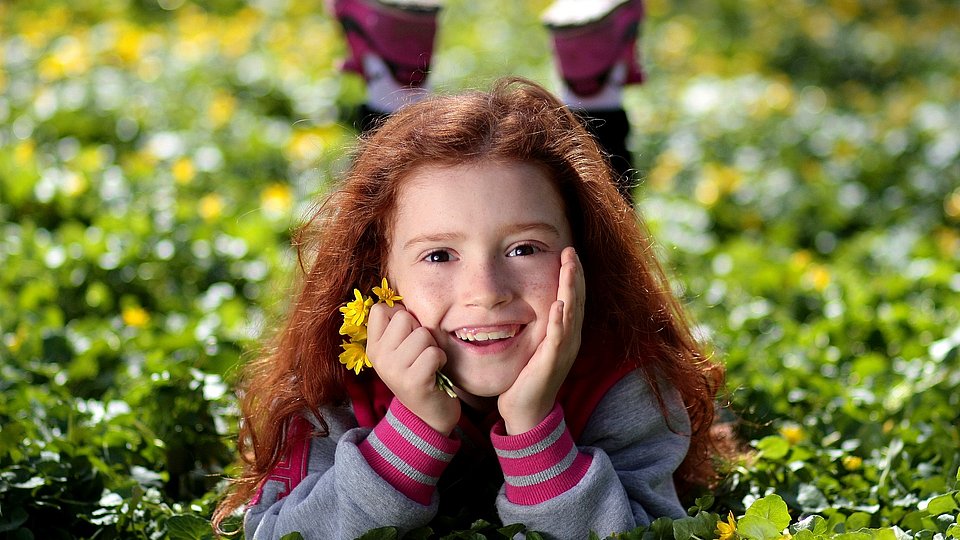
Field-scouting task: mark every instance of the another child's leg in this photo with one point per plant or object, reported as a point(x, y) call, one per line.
point(390, 45)
point(595, 46)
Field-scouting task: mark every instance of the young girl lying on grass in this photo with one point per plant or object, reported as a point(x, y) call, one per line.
point(506, 263)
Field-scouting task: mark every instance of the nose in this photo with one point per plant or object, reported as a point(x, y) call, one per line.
point(487, 284)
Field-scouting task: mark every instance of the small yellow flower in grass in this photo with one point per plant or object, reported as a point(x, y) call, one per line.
point(211, 206)
point(183, 170)
point(386, 294)
point(852, 463)
point(355, 312)
point(135, 316)
point(793, 434)
point(276, 200)
point(354, 356)
point(727, 530)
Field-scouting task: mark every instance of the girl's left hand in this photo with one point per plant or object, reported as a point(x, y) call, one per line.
point(531, 397)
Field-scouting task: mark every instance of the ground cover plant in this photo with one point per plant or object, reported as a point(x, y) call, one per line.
point(799, 165)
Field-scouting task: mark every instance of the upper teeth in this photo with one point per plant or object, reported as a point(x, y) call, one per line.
point(469, 335)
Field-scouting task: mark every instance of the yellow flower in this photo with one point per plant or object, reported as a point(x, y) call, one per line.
point(356, 332)
point(793, 434)
point(135, 316)
point(276, 200)
point(211, 206)
point(183, 170)
point(354, 356)
point(852, 463)
point(727, 530)
point(356, 312)
point(386, 294)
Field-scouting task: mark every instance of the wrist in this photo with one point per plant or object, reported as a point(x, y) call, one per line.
point(526, 419)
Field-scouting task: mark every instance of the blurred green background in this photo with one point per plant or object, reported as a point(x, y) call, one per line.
point(799, 167)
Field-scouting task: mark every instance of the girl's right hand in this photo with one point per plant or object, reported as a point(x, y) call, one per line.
point(407, 358)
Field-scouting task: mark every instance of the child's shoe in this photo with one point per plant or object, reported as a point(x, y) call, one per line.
point(398, 33)
point(592, 40)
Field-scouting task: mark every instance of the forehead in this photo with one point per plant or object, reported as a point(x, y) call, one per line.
point(489, 192)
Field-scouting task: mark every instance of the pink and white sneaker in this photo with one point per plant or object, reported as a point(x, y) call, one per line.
point(398, 33)
point(592, 39)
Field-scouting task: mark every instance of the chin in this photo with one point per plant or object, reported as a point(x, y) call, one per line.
point(489, 389)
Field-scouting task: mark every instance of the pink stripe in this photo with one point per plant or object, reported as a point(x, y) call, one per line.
point(540, 461)
point(545, 491)
point(408, 452)
point(413, 490)
point(422, 429)
point(520, 441)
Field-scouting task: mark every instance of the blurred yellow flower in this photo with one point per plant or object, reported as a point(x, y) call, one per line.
point(24, 152)
point(951, 205)
point(183, 170)
point(74, 184)
point(716, 180)
point(129, 42)
point(664, 171)
point(852, 463)
point(222, 108)
point(354, 356)
point(793, 434)
point(819, 277)
point(386, 294)
point(70, 57)
point(135, 316)
point(276, 200)
point(726, 530)
point(211, 207)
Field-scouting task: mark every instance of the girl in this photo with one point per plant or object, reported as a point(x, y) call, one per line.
point(583, 400)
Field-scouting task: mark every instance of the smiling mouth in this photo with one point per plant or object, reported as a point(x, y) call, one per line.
point(476, 335)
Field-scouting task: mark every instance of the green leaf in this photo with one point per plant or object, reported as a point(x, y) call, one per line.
point(292, 536)
point(941, 504)
point(816, 525)
point(700, 526)
point(661, 529)
point(13, 520)
point(512, 530)
point(771, 508)
point(757, 527)
point(188, 527)
point(381, 533)
point(857, 521)
point(773, 447)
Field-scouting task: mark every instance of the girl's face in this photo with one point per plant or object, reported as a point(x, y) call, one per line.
point(475, 252)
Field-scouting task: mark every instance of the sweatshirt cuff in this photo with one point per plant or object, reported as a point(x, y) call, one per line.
point(407, 453)
point(539, 464)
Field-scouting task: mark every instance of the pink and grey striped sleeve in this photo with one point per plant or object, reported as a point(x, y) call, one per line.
point(542, 463)
point(407, 453)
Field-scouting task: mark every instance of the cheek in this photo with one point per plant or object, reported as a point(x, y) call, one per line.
point(422, 297)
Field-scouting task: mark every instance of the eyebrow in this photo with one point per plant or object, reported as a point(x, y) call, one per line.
point(508, 230)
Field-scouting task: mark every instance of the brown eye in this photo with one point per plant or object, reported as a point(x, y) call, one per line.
point(437, 257)
point(522, 250)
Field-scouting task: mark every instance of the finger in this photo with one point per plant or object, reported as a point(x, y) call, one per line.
point(413, 345)
point(400, 326)
point(378, 320)
point(571, 287)
point(428, 362)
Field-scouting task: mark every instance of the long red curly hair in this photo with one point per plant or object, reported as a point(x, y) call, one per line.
point(630, 309)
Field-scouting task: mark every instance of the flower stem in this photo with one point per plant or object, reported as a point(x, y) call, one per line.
point(443, 383)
